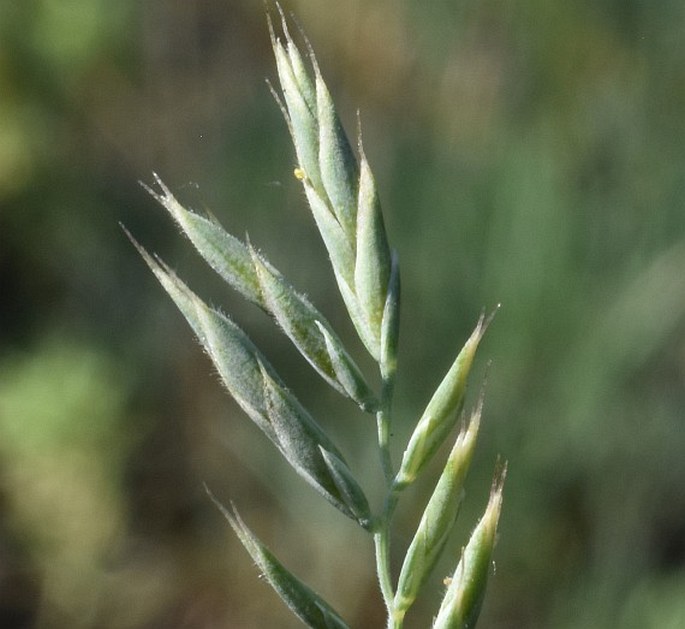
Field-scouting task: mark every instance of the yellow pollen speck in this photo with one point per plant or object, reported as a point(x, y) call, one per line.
point(299, 174)
point(447, 581)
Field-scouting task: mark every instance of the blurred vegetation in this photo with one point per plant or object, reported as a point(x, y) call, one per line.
point(528, 153)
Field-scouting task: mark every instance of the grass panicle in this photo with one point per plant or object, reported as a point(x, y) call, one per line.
point(341, 193)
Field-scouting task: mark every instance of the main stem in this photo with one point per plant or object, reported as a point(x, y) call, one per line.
point(381, 535)
point(383, 427)
point(381, 539)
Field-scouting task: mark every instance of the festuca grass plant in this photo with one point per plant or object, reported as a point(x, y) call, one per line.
point(341, 193)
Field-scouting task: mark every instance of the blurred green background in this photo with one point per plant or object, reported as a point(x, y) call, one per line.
point(528, 153)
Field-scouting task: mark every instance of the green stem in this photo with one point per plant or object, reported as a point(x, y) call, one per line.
point(381, 539)
point(381, 536)
point(383, 427)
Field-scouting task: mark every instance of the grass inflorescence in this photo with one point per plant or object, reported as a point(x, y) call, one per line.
point(341, 193)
